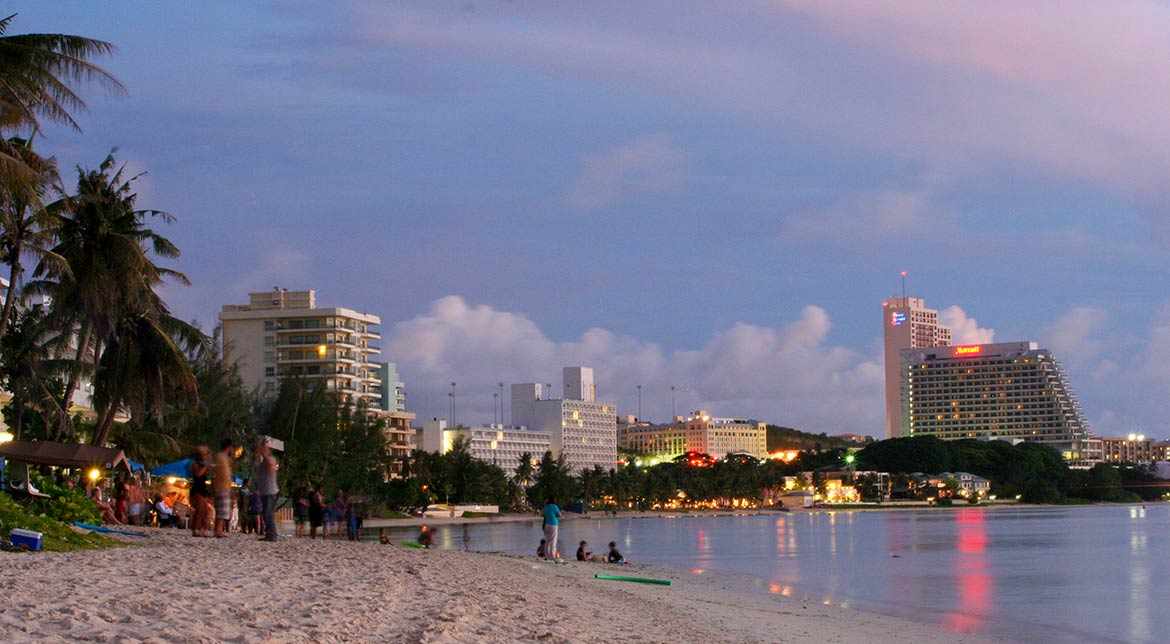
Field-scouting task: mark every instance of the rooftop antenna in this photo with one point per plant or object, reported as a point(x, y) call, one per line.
point(903, 285)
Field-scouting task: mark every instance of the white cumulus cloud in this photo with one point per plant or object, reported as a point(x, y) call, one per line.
point(786, 375)
point(964, 329)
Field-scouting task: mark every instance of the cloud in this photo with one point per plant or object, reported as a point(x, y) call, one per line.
point(651, 165)
point(1076, 337)
point(281, 267)
point(786, 375)
point(961, 86)
point(964, 329)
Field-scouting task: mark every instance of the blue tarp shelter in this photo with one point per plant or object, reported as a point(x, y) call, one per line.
point(135, 466)
point(182, 469)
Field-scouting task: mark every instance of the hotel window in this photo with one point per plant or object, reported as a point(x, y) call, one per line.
point(269, 372)
point(269, 325)
point(269, 356)
point(269, 341)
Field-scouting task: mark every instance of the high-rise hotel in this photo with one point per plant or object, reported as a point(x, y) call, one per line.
point(908, 324)
point(1008, 390)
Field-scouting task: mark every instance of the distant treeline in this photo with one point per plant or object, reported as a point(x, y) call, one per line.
point(1035, 472)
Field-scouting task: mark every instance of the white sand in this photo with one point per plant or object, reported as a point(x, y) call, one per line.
point(175, 588)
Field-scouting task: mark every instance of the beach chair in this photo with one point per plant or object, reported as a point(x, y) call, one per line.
point(182, 515)
point(24, 491)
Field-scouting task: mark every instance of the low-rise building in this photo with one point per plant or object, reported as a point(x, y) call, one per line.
point(1134, 448)
point(700, 432)
point(496, 444)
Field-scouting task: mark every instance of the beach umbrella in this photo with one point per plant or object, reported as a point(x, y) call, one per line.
point(182, 469)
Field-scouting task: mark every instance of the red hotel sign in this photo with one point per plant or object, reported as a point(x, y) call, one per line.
point(969, 351)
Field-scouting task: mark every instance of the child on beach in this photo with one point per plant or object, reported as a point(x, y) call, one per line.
point(615, 556)
point(582, 554)
point(426, 536)
point(540, 548)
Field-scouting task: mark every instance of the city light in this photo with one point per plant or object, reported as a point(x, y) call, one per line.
point(5, 437)
point(95, 474)
point(969, 350)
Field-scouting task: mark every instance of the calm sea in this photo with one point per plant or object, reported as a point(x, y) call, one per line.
point(1076, 574)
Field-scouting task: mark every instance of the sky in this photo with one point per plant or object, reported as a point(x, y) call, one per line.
point(705, 195)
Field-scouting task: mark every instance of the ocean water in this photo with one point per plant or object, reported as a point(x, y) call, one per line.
point(1060, 574)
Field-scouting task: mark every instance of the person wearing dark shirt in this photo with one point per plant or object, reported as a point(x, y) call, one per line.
point(582, 555)
point(614, 555)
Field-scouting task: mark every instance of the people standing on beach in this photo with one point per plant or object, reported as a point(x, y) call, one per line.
point(552, 517)
point(300, 509)
point(317, 511)
point(243, 493)
point(264, 470)
point(338, 510)
point(200, 493)
point(221, 484)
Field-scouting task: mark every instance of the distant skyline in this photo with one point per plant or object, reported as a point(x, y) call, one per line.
point(715, 196)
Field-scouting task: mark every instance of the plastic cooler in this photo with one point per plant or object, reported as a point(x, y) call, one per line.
point(27, 538)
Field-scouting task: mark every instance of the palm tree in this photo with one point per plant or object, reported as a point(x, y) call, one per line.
point(26, 368)
point(37, 76)
point(109, 289)
point(144, 360)
point(25, 222)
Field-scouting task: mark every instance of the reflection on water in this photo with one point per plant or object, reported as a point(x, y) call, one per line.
point(1022, 574)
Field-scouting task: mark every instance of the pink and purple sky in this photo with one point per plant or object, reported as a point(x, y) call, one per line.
point(716, 196)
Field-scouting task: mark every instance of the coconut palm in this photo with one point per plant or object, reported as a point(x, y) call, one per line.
point(143, 362)
point(38, 74)
point(26, 369)
point(109, 289)
point(24, 222)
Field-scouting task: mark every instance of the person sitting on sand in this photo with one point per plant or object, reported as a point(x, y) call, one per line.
point(426, 536)
point(104, 507)
point(383, 539)
point(614, 556)
point(582, 554)
point(540, 548)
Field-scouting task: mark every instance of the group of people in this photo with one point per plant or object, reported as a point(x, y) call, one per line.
point(310, 507)
point(211, 496)
point(548, 545)
point(125, 504)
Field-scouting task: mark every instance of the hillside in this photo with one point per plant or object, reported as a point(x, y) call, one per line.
point(784, 438)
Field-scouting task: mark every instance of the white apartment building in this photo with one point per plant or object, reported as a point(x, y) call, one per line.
point(496, 444)
point(581, 429)
point(1007, 390)
point(282, 333)
point(907, 324)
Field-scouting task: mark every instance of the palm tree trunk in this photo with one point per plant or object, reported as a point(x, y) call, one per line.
point(18, 411)
point(10, 296)
point(64, 421)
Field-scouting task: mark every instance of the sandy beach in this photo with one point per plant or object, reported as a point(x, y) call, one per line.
point(175, 588)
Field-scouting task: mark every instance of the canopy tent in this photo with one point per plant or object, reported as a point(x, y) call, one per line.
point(64, 454)
point(135, 466)
point(182, 469)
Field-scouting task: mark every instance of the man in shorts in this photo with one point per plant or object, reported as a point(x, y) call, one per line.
point(221, 486)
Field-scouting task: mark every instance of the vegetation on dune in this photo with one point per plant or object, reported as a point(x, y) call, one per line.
point(57, 536)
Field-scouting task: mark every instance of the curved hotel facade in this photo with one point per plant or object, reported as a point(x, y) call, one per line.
point(1008, 390)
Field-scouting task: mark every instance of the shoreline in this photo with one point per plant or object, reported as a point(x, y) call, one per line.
point(175, 588)
point(414, 522)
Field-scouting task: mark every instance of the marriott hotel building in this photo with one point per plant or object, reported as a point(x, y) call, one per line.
point(1009, 390)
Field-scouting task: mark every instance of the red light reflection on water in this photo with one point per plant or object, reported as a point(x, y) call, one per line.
point(975, 584)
